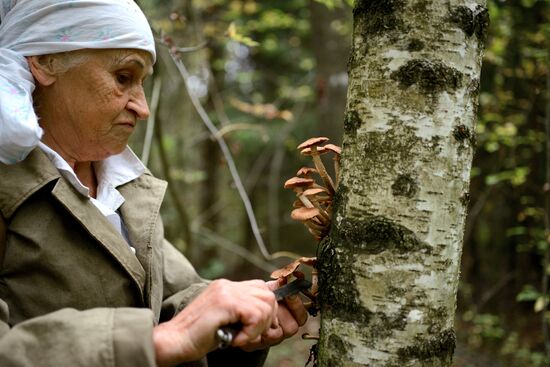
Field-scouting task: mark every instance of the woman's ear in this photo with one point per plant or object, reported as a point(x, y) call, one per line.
point(42, 69)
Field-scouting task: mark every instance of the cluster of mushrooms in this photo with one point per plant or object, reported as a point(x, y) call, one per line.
point(313, 206)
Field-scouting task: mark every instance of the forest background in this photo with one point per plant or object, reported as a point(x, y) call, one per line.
point(269, 75)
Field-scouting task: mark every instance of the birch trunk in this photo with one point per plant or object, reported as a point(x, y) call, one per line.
point(390, 266)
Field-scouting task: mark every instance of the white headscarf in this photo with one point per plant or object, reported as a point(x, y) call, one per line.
point(39, 27)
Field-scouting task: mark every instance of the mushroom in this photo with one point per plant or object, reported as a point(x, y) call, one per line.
point(311, 194)
point(297, 184)
point(337, 152)
point(305, 215)
point(314, 151)
point(306, 172)
point(287, 270)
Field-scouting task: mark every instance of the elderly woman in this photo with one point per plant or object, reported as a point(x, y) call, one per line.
point(86, 277)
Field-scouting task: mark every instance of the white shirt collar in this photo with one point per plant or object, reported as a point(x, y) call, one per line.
point(112, 172)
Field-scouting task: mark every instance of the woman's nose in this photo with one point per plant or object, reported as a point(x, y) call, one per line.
point(138, 105)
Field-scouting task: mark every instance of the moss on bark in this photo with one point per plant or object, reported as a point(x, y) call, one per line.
point(415, 45)
point(471, 21)
point(432, 76)
point(378, 16)
point(440, 347)
point(338, 295)
point(404, 185)
point(352, 121)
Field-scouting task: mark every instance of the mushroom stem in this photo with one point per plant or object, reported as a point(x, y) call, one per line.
point(314, 233)
point(307, 203)
point(313, 225)
point(325, 218)
point(314, 281)
point(308, 336)
point(321, 169)
point(336, 171)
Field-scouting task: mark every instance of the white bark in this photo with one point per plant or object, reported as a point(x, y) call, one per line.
point(390, 267)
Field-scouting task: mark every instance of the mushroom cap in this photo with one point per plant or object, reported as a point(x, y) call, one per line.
point(314, 191)
point(312, 141)
point(333, 148)
point(304, 171)
point(298, 182)
point(290, 268)
point(320, 150)
point(304, 213)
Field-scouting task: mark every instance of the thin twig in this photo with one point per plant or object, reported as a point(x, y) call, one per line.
point(172, 187)
point(157, 84)
point(243, 126)
point(182, 49)
point(228, 245)
point(274, 185)
point(546, 261)
point(228, 157)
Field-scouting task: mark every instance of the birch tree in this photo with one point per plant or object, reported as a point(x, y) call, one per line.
point(390, 266)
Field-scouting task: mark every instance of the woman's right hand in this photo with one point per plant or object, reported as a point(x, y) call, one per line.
point(191, 334)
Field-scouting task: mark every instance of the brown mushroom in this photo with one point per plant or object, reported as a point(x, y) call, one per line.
point(337, 152)
point(287, 270)
point(306, 172)
point(310, 146)
point(314, 191)
point(298, 184)
point(312, 219)
point(313, 142)
point(313, 195)
point(304, 214)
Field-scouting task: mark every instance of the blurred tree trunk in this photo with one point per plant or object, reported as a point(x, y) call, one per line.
point(390, 266)
point(331, 48)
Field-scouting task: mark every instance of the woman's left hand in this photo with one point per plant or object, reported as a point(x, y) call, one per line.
point(291, 314)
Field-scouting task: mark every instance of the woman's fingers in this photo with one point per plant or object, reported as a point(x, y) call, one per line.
point(297, 309)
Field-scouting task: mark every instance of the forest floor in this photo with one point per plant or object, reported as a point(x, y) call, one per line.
point(294, 352)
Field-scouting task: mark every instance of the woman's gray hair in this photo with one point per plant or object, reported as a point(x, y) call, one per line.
point(62, 62)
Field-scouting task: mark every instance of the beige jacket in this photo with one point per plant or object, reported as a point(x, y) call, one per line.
point(71, 291)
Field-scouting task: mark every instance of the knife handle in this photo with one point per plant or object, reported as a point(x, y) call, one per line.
point(226, 334)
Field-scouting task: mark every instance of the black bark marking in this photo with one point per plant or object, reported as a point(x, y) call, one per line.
point(378, 16)
point(415, 45)
point(471, 21)
point(404, 185)
point(338, 350)
point(430, 76)
point(440, 347)
point(461, 133)
point(465, 198)
point(374, 235)
point(352, 121)
point(338, 295)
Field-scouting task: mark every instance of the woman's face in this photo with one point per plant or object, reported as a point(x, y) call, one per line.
point(91, 110)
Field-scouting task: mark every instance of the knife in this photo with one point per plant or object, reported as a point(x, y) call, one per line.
point(226, 334)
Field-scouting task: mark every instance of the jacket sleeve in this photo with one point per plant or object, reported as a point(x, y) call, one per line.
point(113, 337)
point(182, 284)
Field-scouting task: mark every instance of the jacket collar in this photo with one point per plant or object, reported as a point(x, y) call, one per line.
point(19, 181)
point(140, 211)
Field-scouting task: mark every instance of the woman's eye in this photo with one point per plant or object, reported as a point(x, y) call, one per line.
point(123, 78)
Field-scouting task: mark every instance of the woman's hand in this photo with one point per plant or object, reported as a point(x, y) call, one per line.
point(291, 314)
point(192, 333)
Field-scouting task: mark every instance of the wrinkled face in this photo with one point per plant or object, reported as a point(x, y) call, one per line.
point(95, 105)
